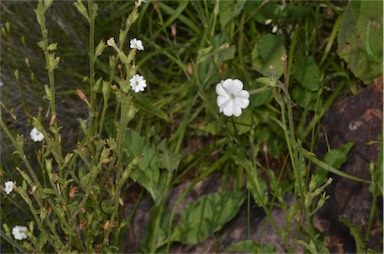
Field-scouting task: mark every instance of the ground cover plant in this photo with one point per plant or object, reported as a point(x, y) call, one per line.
point(106, 104)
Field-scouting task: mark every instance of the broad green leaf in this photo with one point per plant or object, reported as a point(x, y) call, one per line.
point(305, 98)
point(267, 53)
point(243, 123)
point(260, 98)
point(207, 215)
point(223, 50)
point(229, 9)
point(362, 24)
point(166, 159)
point(338, 156)
point(249, 246)
point(335, 158)
point(307, 73)
point(257, 187)
point(147, 172)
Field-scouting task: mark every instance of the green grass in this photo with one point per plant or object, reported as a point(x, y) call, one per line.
point(178, 134)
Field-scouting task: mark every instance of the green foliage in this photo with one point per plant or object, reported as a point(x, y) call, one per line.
point(360, 39)
point(147, 173)
point(76, 189)
point(267, 54)
point(249, 246)
point(206, 215)
point(335, 157)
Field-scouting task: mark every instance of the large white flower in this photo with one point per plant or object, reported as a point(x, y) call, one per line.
point(231, 98)
point(136, 44)
point(8, 187)
point(36, 135)
point(19, 232)
point(138, 83)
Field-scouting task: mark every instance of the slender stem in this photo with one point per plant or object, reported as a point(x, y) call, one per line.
point(156, 227)
point(47, 61)
point(92, 14)
point(122, 37)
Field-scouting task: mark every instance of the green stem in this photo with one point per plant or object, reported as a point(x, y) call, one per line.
point(159, 216)
point(311, 157)
point(290, 135)
point(51, 78)
point(122, 37)
point(92, 113)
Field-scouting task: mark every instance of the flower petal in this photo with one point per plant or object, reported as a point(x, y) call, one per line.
point(230, 108)
point(242, 94)
point(221, 100)
point(220, 90)
point(237, 111)
point(242, 103)
point(233, 86)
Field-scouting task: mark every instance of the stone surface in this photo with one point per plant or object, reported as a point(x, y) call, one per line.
point(354, 119)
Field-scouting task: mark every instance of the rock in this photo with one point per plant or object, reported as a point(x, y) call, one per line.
point(355, 119)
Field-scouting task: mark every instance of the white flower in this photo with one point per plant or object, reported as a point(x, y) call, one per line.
point(274, 29)
point(231, 97)
point(36, 135)
point(19, 232)
point(138, 83)
point(274, 26)
point(8, 187)
point(1, 83)
point(268, 21)
point(136, 44)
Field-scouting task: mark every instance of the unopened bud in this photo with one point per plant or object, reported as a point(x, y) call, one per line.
point(190, 68)
point(53, 119)
point(73, 192)
point(111, 42)
point(155, 5)
point(173, 30)
point(106, 226)
point(82, 96)
point(83, 224)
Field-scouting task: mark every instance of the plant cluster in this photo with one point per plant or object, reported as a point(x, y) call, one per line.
point(220, 73)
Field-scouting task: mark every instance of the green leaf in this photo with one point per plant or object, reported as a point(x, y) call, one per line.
point(207, 215)
point(305, 98)
point(338, 156)
point(260, 98)
point(52, 46)
point(82, 9)
point(257, 186)
point(47, 4)
point(222, 50)
point(166, 159)
point(147, 172)
point(228, 10)
point(45, 192)
point(362, 24)
point(249, 246)
point(307, 73)
point(335, 158)
point(267, 53)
